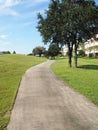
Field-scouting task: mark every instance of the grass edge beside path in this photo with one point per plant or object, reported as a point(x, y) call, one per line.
point(12, 68)
point(83, 79)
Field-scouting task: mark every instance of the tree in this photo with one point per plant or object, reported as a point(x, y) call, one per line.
point(39, 50)
point(81, 22)
point(88, 14)
point(6, 52)
point(69, 22)
point(49, 25)
point(14, 52)
point(53, 50)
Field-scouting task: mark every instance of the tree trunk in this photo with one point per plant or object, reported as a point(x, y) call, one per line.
point(70, 55)
point(70, 60)
point(75, 55)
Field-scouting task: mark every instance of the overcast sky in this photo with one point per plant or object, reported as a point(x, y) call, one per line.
point(18, 21)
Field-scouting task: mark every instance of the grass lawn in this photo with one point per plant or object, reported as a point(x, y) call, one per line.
point(84, 79)
point(12, 67)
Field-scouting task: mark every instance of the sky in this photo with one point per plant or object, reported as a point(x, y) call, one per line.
point(18, 21)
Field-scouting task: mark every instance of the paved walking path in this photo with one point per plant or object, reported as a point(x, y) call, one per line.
point(45, 103)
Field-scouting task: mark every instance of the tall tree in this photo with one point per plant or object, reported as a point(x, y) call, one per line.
point(87, 22)
point(81, 18)
point(51, 26)
point(69, 22)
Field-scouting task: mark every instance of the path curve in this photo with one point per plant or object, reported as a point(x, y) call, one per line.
point(45, 103)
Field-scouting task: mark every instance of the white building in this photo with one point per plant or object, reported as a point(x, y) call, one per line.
point(90, 47)
point(64, 50)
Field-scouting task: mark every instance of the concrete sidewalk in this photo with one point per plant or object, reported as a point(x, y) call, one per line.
point(45, 103)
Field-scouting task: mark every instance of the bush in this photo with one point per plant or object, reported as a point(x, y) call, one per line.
point(53, 50)
point(90, 55)
point(81, 53)
point(30, 54)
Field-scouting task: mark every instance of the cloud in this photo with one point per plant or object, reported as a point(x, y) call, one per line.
point(8, 11)
point(9, 3)
point(3, 36)
point(6, 7)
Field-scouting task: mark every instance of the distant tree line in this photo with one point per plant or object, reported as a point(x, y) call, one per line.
point(7, 52)
point(52, 51)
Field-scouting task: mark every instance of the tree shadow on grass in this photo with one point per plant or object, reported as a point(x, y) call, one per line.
point(92, 67)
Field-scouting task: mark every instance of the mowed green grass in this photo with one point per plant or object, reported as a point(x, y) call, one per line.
point(12, 67)
point(83, 79)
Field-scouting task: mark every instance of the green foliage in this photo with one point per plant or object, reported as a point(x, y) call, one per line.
point(12, 67)
point(91, 55)
point(50, 25)
point(38, 51)
point(14, 52)
point(69, 22)
point(84, 79)
point(53, 50)
point(46, 54)
point(30, 54)
point(6, 52)
point(81, 53)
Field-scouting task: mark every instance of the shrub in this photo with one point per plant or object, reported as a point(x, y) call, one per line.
point(81, 53)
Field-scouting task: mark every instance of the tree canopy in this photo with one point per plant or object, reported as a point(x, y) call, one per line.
point(39, 50)
point(53, 50)
point(69, 22)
